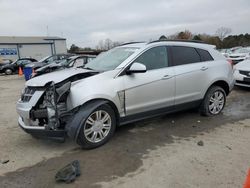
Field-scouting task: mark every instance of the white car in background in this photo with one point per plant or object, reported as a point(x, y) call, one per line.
point(225, 52)
point(242, 73)
point(239, 55)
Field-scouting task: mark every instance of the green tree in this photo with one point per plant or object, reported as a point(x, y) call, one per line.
point(163, 37)
point(73, 49)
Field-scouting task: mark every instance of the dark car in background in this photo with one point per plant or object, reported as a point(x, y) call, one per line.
point(4, 62)
point(73, 61)
point(11, 68)
point(48, 60)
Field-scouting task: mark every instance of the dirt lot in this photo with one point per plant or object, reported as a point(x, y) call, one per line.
point(160, 152)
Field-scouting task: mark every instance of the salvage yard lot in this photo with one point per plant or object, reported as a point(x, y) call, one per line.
point(160, 152)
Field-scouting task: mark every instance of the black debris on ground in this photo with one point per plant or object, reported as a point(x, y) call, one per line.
point(69, 173)
point(228, 147)
point(5, 161)
point(200, 143)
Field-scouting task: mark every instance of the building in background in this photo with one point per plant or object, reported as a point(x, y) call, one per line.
point(35, 47)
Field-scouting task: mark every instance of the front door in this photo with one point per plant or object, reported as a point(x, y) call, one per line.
point(153, 89)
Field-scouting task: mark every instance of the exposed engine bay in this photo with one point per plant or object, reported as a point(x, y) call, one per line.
point(51, 109)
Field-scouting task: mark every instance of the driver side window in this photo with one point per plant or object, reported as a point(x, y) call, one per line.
point(154, 58)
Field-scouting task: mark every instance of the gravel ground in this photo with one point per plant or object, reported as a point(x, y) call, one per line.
point(160, 152)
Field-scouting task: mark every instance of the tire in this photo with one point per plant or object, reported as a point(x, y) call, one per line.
point(8, 71)
point(93, 126)
point(213, 102)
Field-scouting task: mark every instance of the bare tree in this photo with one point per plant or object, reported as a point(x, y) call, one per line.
point(222, 32)
point(116, 44)
point(107, 44)
point(173, 36)
point(100, 45)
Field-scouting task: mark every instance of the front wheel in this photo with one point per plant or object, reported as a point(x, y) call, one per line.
point(98, 127)
point(213, 102)
point(8, 71)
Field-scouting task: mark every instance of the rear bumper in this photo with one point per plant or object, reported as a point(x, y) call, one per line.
point(41, 131)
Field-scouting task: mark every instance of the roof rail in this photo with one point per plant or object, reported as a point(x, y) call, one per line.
point(131, 43)
point(178, 40)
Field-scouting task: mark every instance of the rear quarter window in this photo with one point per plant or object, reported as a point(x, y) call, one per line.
point(205, 55)
point(182, 55)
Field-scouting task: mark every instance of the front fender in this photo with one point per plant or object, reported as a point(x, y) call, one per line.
point(73, 125)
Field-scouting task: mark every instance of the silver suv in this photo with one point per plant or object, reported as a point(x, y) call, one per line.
point(126, 84)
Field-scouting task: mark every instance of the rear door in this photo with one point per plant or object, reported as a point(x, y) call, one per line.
point(190, 74)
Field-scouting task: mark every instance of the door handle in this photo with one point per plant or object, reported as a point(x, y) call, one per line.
point(204, 68)
point(166, 77)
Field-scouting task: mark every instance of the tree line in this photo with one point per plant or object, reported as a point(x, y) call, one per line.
point(221, 39)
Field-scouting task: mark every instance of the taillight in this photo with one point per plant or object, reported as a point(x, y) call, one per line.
point(230, 62)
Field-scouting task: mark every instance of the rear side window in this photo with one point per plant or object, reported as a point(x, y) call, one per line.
point(184, 55)
point(205, 55)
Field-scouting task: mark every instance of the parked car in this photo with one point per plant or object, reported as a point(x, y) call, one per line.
point(73, 61)
point(11, 68)
point(225, 52)
point(239, 55)
point(242, 73)
point(48, 60)
point(126, 84)
point(5, 61)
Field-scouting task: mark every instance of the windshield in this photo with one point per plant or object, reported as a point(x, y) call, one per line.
point(66, 62)
point(14, 61)
point(110, 59)
point(41, 60)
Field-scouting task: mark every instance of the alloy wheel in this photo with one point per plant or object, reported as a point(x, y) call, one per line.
point(97, 126)
point(216, 102)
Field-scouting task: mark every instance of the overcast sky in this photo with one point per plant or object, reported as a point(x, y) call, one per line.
point(85, 22)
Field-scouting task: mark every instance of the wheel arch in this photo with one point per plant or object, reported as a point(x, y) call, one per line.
point(74, 124)
point(223, 84)
point(107, 101)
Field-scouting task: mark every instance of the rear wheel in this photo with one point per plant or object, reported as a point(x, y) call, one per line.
point(8, 71)
point(213, 102)
point(98, 127)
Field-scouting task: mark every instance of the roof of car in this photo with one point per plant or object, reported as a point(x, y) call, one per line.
point(195, 44)
point(78, 56)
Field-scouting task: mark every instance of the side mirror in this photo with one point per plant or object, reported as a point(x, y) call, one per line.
point(136, 68)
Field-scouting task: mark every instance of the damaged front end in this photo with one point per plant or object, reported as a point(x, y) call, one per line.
point(45, 109)
point(51, 110)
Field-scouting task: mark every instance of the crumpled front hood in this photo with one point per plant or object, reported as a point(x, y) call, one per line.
point(244, 65)
point(56, 77)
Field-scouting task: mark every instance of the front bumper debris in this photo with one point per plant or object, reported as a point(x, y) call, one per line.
point(41, 131)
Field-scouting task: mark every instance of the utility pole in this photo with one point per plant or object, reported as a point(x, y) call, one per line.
point(47, 29)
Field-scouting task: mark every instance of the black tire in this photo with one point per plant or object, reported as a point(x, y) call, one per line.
point(82, 139)
point(204, 108)
point(8, 71)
